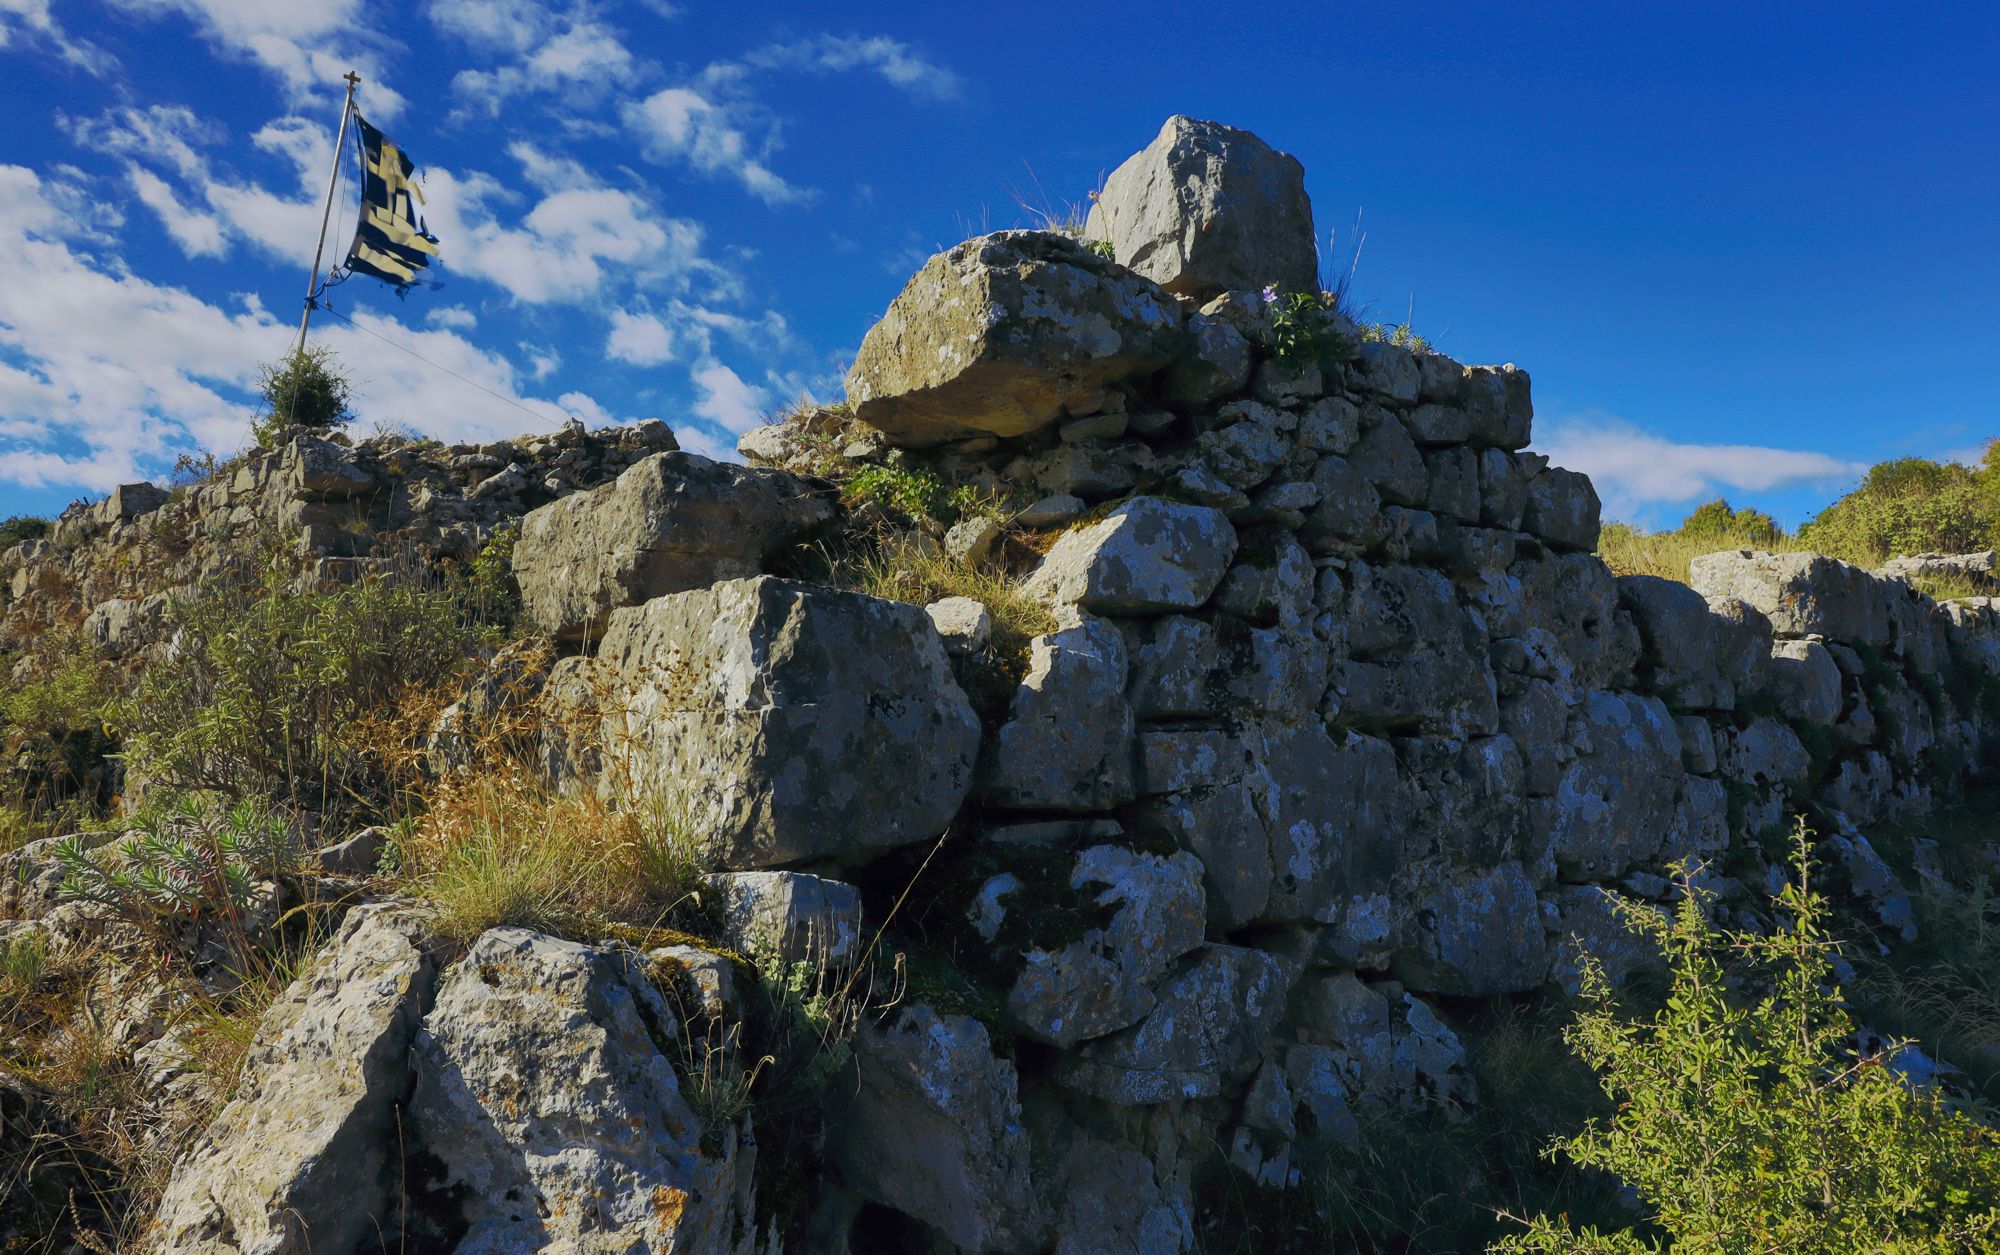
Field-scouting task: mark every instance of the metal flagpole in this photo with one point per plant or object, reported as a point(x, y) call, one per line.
point(332, 180)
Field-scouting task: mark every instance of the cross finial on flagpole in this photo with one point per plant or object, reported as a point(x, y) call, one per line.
point(353, 81)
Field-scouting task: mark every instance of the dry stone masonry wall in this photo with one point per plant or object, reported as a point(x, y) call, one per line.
point(1341, 721)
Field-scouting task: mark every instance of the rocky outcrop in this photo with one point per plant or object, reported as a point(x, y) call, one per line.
point(1206, 209)
point(1004, 334)
point(1340, 729)
point(934, 1130)
point(544, 1091)
point(786, 721)
point(673, 522)
point(298, 1161)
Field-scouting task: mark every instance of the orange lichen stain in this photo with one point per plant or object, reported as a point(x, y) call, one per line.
point(668, 1205)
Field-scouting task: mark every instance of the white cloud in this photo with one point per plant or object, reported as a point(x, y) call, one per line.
point(705, 442)
point(895, 61)
point(681, 123)
point(198, 234)
point(1635, 471)
point(453, 318)
point(726, 400)
point(308, 46)
point(571, 243)
point(640, 339)
point(159, 133)
point(83, 407)
point(541, 362)
point(584, 63)
point(28, 23)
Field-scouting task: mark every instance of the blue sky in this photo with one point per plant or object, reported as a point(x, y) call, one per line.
point(1743, 249)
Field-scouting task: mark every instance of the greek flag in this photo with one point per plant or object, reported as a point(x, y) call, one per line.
point(390, 242)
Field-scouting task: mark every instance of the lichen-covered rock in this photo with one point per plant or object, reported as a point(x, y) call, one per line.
point(1206, 209)
point(1615, 805)
point(962, 623)
point(1145, 557)
point(543, 1092)
point(789, 721)
point(1388, 1046)
point(934, 1129)
point(1214, 363)
point(1478, 932)
point(1102, 1196)
point(1102, 981)
point(1206, 1031)
point(1562, 509)
point(1000, 334)
point(304, 1157)
point(1803, 594)
point(673, 522)
point(790, 916)
point(1067, 742)
point(1592, 925)
point(1805, 681)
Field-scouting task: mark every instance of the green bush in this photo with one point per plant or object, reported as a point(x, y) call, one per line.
point(914, 494)
point(1906, 506)
point(20, 527)
point(270, 687)
point(1744, 1121)
point(196, 862)
point(307, 388)
point(1304, 327)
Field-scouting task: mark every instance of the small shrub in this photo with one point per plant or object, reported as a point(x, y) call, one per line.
point(1305, 328)
point(1743, 1122)
point(200, 863)
point(911, 493)
point(1399, 334)
point(266, 691)
point(307, 388)
point(19, 527)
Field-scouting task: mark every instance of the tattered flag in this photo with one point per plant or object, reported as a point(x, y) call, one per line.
point(391, 242)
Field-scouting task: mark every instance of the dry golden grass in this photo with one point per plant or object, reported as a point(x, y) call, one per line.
point(1628, 551)
point(500, 847)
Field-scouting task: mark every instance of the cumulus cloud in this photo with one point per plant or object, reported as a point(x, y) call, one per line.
point(452, 317)
point(548, 52)
point(308, 47)
point(1636, 471)
point(679, 123)
point(715, 124)
point(79, 406)
point(726, 399)
point(639, 339)
point(565, 248)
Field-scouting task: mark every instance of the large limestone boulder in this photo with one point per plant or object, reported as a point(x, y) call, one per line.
point(559, 1124)
point(303, 1158)
point(933, 1129)
point(1002, 334)
point(1206, 209)
point(1148, 556)
point(670, 523)
point(1803, 594)
point(789, 721)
